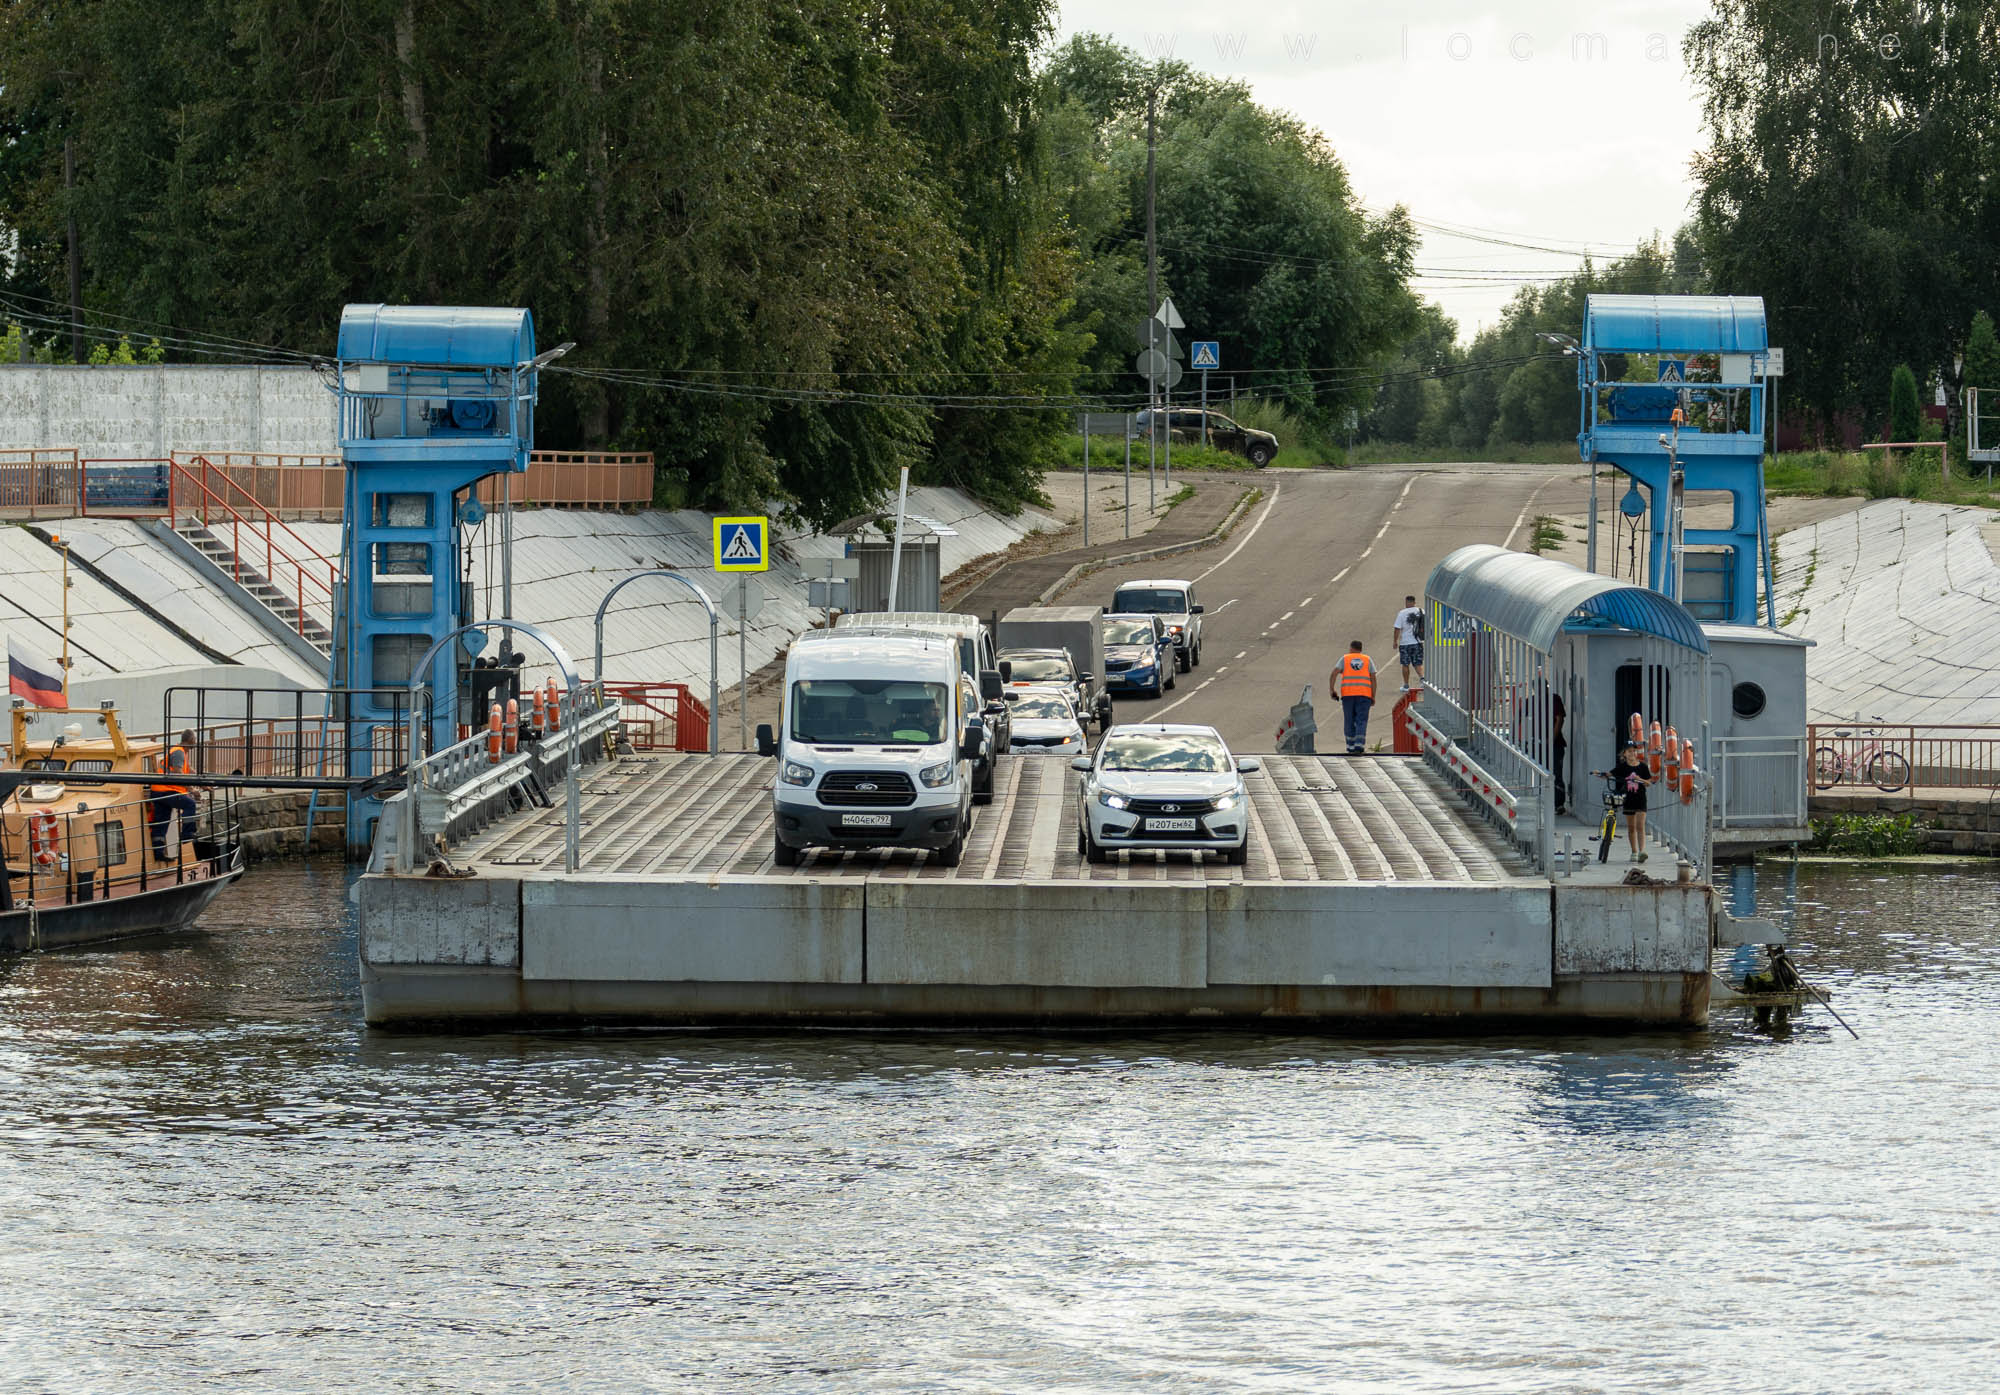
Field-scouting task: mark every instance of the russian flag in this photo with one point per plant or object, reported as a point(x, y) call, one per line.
point(36, 680)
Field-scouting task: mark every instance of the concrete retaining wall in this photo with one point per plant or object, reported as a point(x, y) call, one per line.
point(749, 949)
point(150, 410)
point(735, 930)
point(1073, 934)
point(1449, 936)
point(1955, 821)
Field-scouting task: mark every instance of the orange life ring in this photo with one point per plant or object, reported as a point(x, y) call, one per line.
point(513, 727)
point(1687, 772)
point(1673, 755)
point(493, 735)
point(1637, 730)
point(43, 837)
point(555, 705)
point(540, 710)
point(1653, 746)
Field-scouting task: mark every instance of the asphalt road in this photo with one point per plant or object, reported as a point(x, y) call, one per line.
point(1326, 558)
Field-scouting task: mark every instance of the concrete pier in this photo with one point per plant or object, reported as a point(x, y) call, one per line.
point(1371, 900)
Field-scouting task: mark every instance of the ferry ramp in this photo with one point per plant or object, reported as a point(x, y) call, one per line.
point(1372, 899)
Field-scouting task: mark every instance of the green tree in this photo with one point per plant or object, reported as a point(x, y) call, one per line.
point(1849, 177)
point(1982, 371)
point(1906, 417)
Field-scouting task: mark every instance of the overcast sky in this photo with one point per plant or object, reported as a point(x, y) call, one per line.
point(1561, 124)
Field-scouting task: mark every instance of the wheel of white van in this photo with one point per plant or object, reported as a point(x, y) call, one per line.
point(950, 853)
point(1238, 856)
point(783, 853)
point(982, 789)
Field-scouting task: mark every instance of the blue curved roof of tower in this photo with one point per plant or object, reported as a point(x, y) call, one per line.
point(1666, 324)
point(478, 336)
point(1533, 598)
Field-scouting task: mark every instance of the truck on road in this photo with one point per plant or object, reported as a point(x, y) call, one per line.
point(1077, 630)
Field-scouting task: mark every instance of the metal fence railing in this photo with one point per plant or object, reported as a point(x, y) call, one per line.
point(1760, 781)
point(1910, 756)
point(292, 733)
point(660, 716)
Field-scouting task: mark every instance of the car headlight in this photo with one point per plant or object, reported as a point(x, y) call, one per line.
point(796, 774)
point(1173, 629)
point(1067, 741)
point(1113, 801)
point(1228, 801)
point(936, 775)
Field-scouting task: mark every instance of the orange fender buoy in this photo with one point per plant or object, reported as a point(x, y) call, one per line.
point(513, 727)
point(1687, 772)
point(1653, 747)
point(493, 735)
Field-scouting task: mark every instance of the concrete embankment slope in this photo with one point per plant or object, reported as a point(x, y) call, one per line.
point(566, 560)
point(1902, 601)
point(140, 620)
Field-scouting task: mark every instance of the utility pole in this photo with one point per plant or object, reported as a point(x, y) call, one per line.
point(1152, 251)
point(75, 264)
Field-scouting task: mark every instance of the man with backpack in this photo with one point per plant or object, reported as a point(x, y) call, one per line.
point(1409, 627)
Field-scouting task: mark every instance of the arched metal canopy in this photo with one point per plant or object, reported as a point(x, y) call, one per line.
point(1694, 324)
point(1532, 598)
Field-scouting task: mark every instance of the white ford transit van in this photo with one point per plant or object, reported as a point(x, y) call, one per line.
point(876, 745)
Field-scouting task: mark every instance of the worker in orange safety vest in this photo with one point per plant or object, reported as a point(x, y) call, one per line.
point(1354, 682)
point(168, 800)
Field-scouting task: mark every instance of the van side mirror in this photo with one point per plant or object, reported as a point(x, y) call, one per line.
point(1006, 670)
point(1197, 610)
point(974, 738)
point(1248, 765)
point(992, 682)
point(1080, 763)
point(767, 740)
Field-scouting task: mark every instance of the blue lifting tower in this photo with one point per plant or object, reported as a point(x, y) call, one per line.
point(1693, 425)
point(432, 400)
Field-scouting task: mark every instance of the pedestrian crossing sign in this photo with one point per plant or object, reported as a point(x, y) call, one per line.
point(1207, 353)
point(742, 544)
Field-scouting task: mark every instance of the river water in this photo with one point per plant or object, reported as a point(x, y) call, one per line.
point(212, 1177)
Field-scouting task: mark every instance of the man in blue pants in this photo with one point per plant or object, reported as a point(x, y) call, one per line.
point(1354, 681)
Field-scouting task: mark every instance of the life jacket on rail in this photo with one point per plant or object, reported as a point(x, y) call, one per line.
point(1356, 676)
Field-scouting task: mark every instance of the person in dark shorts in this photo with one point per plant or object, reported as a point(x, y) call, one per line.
point(1631, 776)
point(1409, 628)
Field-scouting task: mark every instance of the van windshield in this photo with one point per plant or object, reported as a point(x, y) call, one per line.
point(868, 712)
point(1150, 600)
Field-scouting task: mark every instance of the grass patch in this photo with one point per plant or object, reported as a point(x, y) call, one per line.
point(1108, 453)
point(1877, 474)
point(1402, 453)
point(1869, 835)
point(1180, 496)
point(1547, 535)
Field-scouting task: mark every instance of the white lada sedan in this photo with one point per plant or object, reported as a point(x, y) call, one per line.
point(1163, 786)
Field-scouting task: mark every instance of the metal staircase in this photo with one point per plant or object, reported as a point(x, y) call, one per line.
point(224, 530)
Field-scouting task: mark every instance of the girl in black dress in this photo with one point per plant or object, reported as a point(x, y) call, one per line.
point(1631, 775)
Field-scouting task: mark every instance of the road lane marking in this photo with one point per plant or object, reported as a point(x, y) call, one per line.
point(1224, 669)
point(1522, 516)
point(1308, 601)
point(1335, 580)
point(1262, 519)
point(1286, 616)
point(1226, 604)
point(1241, 652)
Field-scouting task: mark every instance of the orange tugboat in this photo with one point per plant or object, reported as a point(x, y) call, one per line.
point(83, 858)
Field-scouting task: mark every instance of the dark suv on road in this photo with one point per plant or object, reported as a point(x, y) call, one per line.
point(1258, 447)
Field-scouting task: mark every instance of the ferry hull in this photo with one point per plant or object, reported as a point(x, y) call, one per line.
point(161, 910)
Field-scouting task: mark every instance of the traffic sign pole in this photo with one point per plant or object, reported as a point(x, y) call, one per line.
point(1204, 406)
point(742, 666)
point(1086, 489)
point(1128, 476)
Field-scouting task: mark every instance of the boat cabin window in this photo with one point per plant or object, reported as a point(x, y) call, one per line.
point(87, 765)
point(110, 843)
